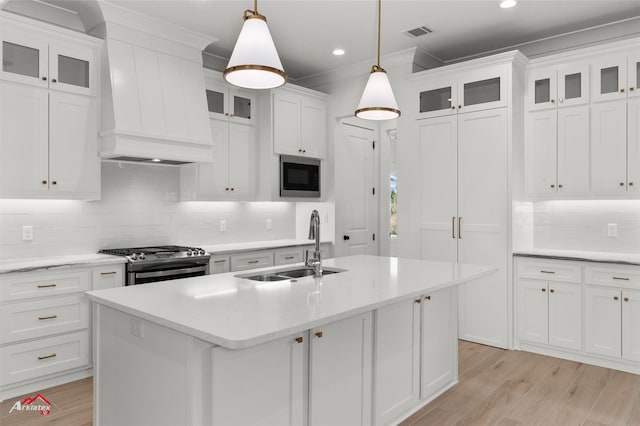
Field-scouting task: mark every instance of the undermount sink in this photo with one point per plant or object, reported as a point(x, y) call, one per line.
point(288, 274)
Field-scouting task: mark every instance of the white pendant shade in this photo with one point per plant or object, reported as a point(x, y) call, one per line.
point(378, 102)
point(254, 63)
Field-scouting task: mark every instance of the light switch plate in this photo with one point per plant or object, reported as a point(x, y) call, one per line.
point(27, 233)
point(223, 225)
point(612, 230)
point(269, 224)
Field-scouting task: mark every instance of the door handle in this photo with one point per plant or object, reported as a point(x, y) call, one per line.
point(346, 237)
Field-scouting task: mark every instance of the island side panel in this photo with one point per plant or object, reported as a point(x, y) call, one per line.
point(145, 373)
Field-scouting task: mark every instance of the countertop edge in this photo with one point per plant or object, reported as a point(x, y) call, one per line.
point(576, 257)
point(61, 262)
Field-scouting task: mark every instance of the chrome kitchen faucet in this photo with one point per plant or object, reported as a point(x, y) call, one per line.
point(314, 232)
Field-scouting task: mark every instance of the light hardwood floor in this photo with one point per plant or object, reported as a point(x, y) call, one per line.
point(497, 387)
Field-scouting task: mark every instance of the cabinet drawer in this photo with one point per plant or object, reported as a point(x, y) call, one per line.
point(219, 264)
point(108, 277)
point(24, 361)
point(613, 276)
point(550, 271)
point(251, 261)
point(286, 256)
point(41, 318)
point(24, 285)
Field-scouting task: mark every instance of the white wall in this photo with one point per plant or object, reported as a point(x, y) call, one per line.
point(579, 225)
point(139, 206)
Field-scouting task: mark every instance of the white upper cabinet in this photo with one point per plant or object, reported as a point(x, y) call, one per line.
point(299, 123)
point(474, 91)
point(616, 77)
point(227, 102)
point(557, 87)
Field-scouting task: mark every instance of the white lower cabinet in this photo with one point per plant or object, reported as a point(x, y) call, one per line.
point(631, 325)
point(340, 366)
point(219, 264)
point(603, 321)
point(261, 385)
point(251, 260)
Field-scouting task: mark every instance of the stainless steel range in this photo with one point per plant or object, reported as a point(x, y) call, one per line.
point(151, 264)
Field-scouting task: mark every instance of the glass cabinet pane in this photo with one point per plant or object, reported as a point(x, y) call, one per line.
point(73, 71)
point(434, 100)
point(480, 92)
point(542, 91)
point(215, 101)
point(19, 59)
point(573, 86)
point(242, 107)
point(609, 80)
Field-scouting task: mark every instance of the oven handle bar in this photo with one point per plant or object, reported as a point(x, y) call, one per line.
point(170, 272)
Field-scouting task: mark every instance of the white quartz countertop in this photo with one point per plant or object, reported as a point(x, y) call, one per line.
point(235, 312)
point(32, 264)
point(256, 245)
point(590, 256)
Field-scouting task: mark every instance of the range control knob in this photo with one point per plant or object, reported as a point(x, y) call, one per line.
point(141, 256)
point(134, 256)
point(201, 252)
point(189, 253)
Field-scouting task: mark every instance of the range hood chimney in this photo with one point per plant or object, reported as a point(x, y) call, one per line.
point(154, 106)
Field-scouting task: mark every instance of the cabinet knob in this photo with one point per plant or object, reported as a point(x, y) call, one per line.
point(459, 106)
point(561, 100)
point(226, 114)
point(226, 189)
point(54, 182)
point(453, 107)
point(44, 182)
point(621, 90)
point(552, 186)
point(559, 186)
point(626, 299)
point(346, 237)
point(615, 297)
point(551, 290)
point(428, 298)
point(418, 300)
point(304, 151)
point(233, 189)
point(630, 183)
point(631, 89)
point(299, 339)
point(553, 101)
point(53, 80)
point(44, 78)
point(621, 183)
point(543, 290)
point(319, 334)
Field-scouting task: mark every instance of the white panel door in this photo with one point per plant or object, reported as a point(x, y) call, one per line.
point(286, 122)
point(565, 315)
point(356, 205)
point(242, 165)
point(633, 145)
point(609, 147)
point(482, 218)
point(631, 325)
point(439, 346)
point(397, 360)
point(573, 150)
point(314, 127)
point(541, 145)
point(603, 321)
point(24, 134)
point(438, 188)
point(74, 164)
point(533, 311)
point(262, 385)
point(340, 368)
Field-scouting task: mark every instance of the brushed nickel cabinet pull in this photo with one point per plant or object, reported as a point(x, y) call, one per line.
point(253, 261)
point(459, 228)
point(299, 339)
point(453, 227)
point(220, 261)
point(319, 334)
point(47, 356)
point(289, 257)
point(621, 278)
point(46, 285)
point(108, 273)
point(547, 272)
point(48, 318)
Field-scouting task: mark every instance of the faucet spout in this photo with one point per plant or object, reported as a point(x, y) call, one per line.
point(314, 233)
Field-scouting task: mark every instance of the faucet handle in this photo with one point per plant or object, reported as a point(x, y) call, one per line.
point(306, 256)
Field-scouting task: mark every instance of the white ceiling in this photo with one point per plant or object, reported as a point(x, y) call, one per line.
point(306, 31)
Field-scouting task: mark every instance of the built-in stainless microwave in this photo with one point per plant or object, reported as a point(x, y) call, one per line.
point(299, 176)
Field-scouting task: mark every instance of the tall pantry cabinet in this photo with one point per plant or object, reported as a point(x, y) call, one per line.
point(465, 128)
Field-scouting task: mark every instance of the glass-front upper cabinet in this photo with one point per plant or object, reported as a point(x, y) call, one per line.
point(437, 99)
point(609, 78)
point(228, 103)
point(557, 87)
point(634, 75)
point(34, 61)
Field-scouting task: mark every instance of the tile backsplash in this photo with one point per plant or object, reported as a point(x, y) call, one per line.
point(139, 206)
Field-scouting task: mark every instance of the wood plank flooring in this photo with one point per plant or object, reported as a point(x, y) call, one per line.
point(497, 387)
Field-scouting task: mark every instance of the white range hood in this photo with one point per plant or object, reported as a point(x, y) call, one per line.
point(154, 103)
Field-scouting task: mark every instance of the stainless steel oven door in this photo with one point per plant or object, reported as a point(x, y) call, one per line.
point(166, 272)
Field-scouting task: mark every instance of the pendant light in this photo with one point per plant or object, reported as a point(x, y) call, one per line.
point(378, 102)
point(254, 63)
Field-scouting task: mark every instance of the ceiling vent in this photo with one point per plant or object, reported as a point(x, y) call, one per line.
point(417, 32)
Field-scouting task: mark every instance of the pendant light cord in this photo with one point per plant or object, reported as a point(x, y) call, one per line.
point(379, 19)
point(255, 6)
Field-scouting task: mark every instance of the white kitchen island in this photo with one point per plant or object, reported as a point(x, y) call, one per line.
point(366, 346)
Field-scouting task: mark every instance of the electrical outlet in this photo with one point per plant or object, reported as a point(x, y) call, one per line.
point(269, 224)
point(27, 233)
point(223, 225)
point(135, 328)
point(612, 230)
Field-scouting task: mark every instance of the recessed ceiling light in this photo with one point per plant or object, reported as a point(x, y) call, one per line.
point(338, 52)
point(506, 4)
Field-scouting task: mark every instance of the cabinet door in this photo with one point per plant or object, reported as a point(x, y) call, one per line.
point(108, 277)
point(541, 89)
point(603, 321)
point(633, 76)
point(541, 150)
point(397, 359)
point(242, 106)
point(251, 260)
point(25, 59)
point(288, 255)
point(483, 90)
point(286, 123)
point(72, 69)
point(609, 78)
point(24, 134)
point(439, 343)
point(74, 164)
point(268, 378)
point(609, 147)
point(314, 127)
point(633, 145)
point(242, 165)
point(483, 223)
point(340, 367)
point(438, 188)
point(437, 99)
point(219, 264)
point(217, 100)
point(573, 150)
point(214, 178)
point(631, 325)
point(533, 311)
point(565, 315)
point(573, 85)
